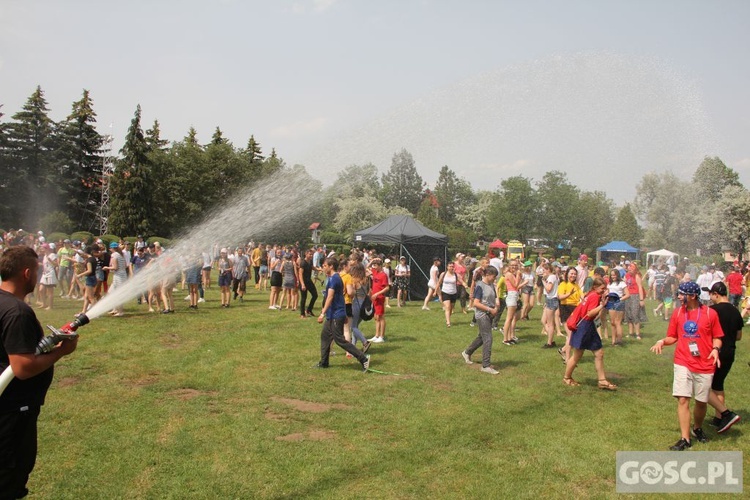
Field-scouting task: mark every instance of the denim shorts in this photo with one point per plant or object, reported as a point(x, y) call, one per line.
point(552, 304)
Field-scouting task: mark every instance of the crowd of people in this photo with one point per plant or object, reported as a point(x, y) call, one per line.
point(585, 304)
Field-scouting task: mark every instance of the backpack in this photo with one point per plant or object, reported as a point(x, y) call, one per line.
point(366, 309)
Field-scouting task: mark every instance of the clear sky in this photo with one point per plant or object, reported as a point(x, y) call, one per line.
point(604, 90)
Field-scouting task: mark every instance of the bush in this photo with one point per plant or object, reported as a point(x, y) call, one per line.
point(83, 236)
point(56, 221)
point(109, 238)
point(55, 237)
point(164, 242)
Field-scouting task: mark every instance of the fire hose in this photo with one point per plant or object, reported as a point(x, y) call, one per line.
point(47, 344)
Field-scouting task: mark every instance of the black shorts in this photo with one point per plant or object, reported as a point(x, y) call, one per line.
point(348, 310)
point(450, 296)
point(276, 279)
point(565, 312)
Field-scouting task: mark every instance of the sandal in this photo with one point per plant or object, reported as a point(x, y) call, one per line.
point(569, 381)
point(606, 385)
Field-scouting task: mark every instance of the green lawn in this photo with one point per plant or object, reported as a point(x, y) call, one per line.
point(223, 403)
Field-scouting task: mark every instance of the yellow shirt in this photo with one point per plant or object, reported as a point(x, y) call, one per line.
point(500, 289)
point(346, 278)
point(564, 289)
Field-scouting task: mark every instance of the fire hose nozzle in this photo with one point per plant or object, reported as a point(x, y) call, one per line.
point(49, 342)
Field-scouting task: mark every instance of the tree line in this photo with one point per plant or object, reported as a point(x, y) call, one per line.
point(52, 178)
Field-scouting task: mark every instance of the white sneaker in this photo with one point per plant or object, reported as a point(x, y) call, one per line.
point(272, 307)
point(490, 370)
point(425, 308)
point(467, 358)
point(201, 300)
point(374, 339)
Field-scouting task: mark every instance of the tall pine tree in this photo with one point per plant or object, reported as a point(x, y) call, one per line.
point(402, 185)
point(82, 149)
point(132, 186)
point(34, 175)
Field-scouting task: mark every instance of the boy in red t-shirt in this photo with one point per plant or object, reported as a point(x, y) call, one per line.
point(697, 332)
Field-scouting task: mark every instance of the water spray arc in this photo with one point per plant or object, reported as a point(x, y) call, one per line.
point(48, 343)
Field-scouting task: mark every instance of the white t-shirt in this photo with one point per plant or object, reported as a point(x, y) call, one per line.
point(552, 294)
point(617, 287)
point(496, 263)
point(434, 270)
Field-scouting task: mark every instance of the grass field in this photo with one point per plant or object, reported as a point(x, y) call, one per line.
point(223, 403)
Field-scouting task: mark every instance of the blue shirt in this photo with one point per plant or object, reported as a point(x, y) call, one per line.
point(337, 309)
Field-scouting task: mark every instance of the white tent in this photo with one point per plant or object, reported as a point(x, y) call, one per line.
point(662, 255)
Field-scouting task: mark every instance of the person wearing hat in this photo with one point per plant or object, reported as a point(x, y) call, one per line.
point(432, 283)
point(583, 270)
point(695, 331)
point(388, 270)
point(140, 243)
point(731, 324)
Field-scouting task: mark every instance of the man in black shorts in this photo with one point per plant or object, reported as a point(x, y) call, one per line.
point(731, 324)
point(20, 403)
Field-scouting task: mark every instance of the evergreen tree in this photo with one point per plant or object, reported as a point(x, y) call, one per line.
point(180, 171)
point(153, 138)
point(626, 227)
point(452, 193)
point(6, 176)
point(253, 150)
point(131, 189)
point(83, 152)
point(402, 185)
point(192, 137)
point(272, 164)
point(33, 172)
point(218, 137)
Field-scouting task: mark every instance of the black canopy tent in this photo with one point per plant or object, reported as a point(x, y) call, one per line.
point(414, 241)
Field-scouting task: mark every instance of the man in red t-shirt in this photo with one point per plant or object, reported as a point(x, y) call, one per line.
point(697, 332)
point(379, 290)
point(734, 283)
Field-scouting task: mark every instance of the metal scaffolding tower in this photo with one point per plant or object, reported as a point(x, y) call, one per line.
point(108, 168)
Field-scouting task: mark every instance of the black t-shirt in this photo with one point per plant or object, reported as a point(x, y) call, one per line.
point(20, 332)
point(94, 263)
point(731, 322)
point(307, 269)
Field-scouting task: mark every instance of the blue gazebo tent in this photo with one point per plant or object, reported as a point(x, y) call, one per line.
point(614, 249)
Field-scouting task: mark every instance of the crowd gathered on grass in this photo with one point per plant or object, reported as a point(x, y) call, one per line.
point(584, 304)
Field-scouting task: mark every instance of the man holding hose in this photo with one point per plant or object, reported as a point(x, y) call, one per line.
point(20, 403)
